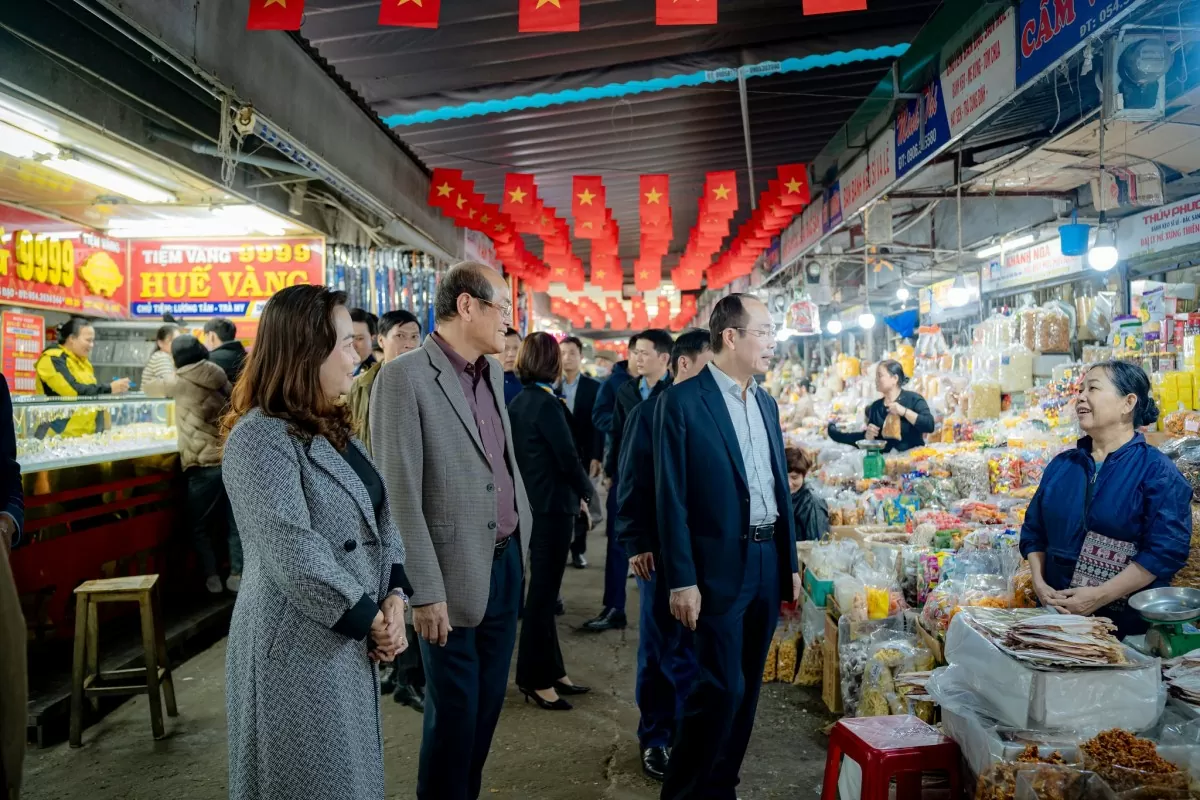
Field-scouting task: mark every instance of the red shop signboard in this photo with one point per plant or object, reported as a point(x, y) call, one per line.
point(231, 278)
point(75, 273)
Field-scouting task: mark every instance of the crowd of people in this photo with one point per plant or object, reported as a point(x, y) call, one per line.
point(452, 480)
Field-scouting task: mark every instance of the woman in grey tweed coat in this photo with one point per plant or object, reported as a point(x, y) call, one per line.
point(323, 589)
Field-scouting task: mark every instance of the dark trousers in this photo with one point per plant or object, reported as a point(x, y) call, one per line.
point(666, 665)
point(208, 510)
point(719, 712)
point(583, 525)
point(465, 683)
point(616, 565)
point(539, 657)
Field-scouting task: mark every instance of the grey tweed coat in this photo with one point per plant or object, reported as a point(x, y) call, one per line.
point(302, 699)
point(428, 448)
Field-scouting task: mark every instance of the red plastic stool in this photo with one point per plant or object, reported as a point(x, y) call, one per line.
point(900, 747)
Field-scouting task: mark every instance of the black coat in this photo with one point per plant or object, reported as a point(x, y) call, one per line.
point(231, 357)
point(629, 397)
point(12, 499)
point(554, 479)
point(811, 515)
point(589, 442)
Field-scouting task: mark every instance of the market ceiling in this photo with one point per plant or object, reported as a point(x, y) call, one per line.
point(477, 55)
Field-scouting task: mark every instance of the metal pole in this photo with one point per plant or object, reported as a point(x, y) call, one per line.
point(746, 135)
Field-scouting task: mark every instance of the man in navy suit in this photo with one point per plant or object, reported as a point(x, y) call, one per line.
point(666, 662)
point(727, 540)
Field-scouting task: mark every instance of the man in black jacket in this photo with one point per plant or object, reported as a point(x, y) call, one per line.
point(666, 661)
point(652, 355)
point(224, 349)
point(579, 392)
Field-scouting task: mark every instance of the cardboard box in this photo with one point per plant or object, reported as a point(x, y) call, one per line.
point(831, 681)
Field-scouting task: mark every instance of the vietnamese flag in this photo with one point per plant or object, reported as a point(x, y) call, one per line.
point(686, 12)
point(548, 16)
point(654, 203)
point(520, 195)
point(587, 199)
point(410, 13)
point(275, 15)
point(793, 185)
point(833, 6)
point(720, 192)
point(443, 187)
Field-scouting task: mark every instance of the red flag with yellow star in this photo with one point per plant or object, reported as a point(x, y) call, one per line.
point(686, 12)
point(520, 196)
point(587, 199)
point(443, 186)
point(793, 185)
point(720, 192)
point(833, 6)
point(548, 16)
point(275, 15)
point(654, 202)
point(410, 13)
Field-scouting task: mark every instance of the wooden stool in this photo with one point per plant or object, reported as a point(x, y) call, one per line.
point(142, 589)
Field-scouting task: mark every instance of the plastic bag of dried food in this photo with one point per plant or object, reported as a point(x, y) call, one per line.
point(1052, 782)
point(812, 663)
point(1129, 763)
point(785, 669)
point(1189, 464)
point(891, 428)
point(769, 669)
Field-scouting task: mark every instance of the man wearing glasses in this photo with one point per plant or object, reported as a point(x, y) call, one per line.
point(456, 494)
point(727, 540)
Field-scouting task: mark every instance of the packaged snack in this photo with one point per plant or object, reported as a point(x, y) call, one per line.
point(891, 427)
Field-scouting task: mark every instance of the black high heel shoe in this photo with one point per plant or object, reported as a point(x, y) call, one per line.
point(571, 688)
point(557, 705)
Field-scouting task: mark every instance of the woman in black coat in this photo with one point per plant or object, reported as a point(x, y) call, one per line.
point(915, 418)
point(559, 489)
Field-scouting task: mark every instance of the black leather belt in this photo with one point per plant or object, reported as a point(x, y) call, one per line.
point(500, 547)
point(761, 533)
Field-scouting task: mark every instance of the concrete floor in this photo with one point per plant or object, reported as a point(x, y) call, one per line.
point(589, 752)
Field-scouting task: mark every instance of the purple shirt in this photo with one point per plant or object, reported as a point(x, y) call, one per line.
point(476, 384)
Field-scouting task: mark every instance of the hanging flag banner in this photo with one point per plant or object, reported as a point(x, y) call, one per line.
point(1037, 264)
point(1048, 30)
point(219, 277)
point(685, 12)
point(275, 15)
point(1163, 228)
point(410, 13)
point(869, 174)
point(833, 6)
point(547, 16)
point(982, 74)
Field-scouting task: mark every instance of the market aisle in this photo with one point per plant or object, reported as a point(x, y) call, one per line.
point(585, 754)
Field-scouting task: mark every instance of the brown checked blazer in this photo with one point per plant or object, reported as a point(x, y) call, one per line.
point(439, 481)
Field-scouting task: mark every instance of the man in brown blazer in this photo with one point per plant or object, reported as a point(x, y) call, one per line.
point(441, 437)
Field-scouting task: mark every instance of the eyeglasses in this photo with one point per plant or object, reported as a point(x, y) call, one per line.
point(770, 330)
point(505, 310)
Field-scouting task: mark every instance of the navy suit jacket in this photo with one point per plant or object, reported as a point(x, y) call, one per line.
point(636, 525)
point(13, 497)
point(703, 494)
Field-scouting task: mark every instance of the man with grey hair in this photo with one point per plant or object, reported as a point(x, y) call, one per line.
point(446, 455)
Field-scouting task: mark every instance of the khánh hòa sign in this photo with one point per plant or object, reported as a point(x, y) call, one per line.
point(219, 277)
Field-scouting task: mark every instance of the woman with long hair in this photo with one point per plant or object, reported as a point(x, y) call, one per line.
point(323, 589)
point(558, 488)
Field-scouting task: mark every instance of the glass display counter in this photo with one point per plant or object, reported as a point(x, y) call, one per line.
point(59, 433)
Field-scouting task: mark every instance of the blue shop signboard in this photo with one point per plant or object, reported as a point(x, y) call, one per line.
point(1048, 29)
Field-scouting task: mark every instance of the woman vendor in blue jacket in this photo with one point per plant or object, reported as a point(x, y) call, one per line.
point(1112, 516)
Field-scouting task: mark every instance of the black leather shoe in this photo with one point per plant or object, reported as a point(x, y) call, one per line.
point(579, 561)
point(610, 619)
point(570, 688)
point(410, 696)
point(654, 762)
point(387, 680)
point(559, 607)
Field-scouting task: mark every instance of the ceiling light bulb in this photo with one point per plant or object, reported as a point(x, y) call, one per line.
point(108, 178)
point(1006, 246)
point(902, 294)
point(1102, 256)
point(834, 326)
point(958, 296)
point(866, 320)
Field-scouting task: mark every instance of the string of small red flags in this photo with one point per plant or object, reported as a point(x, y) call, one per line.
point(718, 204)
point(533, 16)
point(533, 217)
point(594, 222)
point(455, 197)
point(783, 199)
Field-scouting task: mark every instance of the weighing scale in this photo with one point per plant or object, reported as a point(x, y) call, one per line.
point(1172, 612)
point(874, 465)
